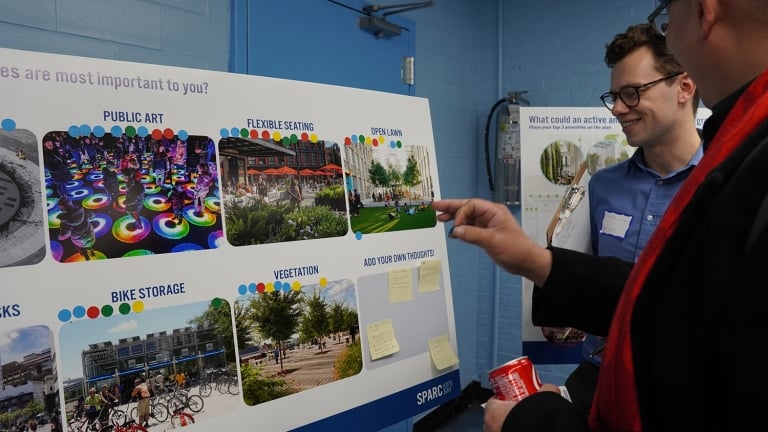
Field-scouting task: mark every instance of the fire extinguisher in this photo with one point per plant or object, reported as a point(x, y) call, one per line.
point(506, 187)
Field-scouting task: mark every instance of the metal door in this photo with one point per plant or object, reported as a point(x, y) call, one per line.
point(319, 41)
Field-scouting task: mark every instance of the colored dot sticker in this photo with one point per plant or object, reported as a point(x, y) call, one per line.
point(124, 308)
point(242, 289)
point(107, 310)
point(216, 303)
point(93, 312)
point(323, 281)
point(138, 306)
point(65, 315)
point(359, 235)
point(261, 287)
point(78, 312)
point(8, 124)
point(296, 286)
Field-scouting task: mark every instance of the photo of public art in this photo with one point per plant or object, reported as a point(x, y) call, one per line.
point(118, 196)
point(281, 190)
point(22, 231)
point(291, 340)
point(183, 356)
point(388, 187)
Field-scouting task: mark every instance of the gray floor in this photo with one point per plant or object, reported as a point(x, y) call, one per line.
point(469, 420)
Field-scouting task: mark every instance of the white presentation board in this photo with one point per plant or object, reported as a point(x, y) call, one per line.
point(135, 239)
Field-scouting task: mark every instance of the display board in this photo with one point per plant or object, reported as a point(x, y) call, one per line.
point(555, 141)
point(266, 244)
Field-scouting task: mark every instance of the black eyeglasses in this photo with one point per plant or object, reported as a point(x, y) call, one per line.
point(659, 17)
point(630, 95)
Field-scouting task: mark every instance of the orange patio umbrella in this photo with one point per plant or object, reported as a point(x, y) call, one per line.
point(331, 167)
point(285, 170)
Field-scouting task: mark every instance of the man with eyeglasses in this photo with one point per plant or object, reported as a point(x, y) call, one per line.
point(685, 319)
point(628, 199)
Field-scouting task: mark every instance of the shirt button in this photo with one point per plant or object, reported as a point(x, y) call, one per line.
point(659, 182)
point(649, 218)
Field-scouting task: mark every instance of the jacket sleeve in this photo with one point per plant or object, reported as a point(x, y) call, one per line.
point(582, 291)
point(544, 412)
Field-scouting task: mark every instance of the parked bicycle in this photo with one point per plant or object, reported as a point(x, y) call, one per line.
point(157, 410)
point(175, 399)
point(221, 380)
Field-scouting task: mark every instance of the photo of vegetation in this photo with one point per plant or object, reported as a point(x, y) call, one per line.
point(559, 161)
point(297, 339)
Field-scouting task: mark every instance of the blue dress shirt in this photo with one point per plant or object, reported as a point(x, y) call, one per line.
point(626, 203)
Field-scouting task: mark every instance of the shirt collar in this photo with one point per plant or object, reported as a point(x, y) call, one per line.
point(719, 111)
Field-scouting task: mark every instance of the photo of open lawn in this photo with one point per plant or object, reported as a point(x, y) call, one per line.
point(375, 219)
point(388, 187)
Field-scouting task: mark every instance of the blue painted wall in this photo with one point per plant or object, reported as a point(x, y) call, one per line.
point(469, 54)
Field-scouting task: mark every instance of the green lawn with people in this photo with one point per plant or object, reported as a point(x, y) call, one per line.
point(384, 219)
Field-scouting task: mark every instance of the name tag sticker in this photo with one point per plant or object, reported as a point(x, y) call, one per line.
point(615, 224)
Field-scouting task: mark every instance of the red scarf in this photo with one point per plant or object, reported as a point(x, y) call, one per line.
point(615, 406)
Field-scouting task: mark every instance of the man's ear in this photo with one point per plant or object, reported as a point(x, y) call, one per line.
point(687, 88)
point(707, 12)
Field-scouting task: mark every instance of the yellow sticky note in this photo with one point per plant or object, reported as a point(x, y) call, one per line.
point(381, 339)
point(442, 353)
point(429, 275)
point(400, 285)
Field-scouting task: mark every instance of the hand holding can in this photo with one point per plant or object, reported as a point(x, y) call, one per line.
point(515, 380)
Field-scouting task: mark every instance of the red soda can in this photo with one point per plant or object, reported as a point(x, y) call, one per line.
point(515, 380)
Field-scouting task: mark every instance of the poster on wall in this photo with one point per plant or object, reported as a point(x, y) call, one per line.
point(560, 148)
point(221, 249)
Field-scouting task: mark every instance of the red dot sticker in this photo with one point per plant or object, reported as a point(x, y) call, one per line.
point(93, 312)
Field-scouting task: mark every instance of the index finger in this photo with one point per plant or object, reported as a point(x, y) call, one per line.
point(452, 209)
